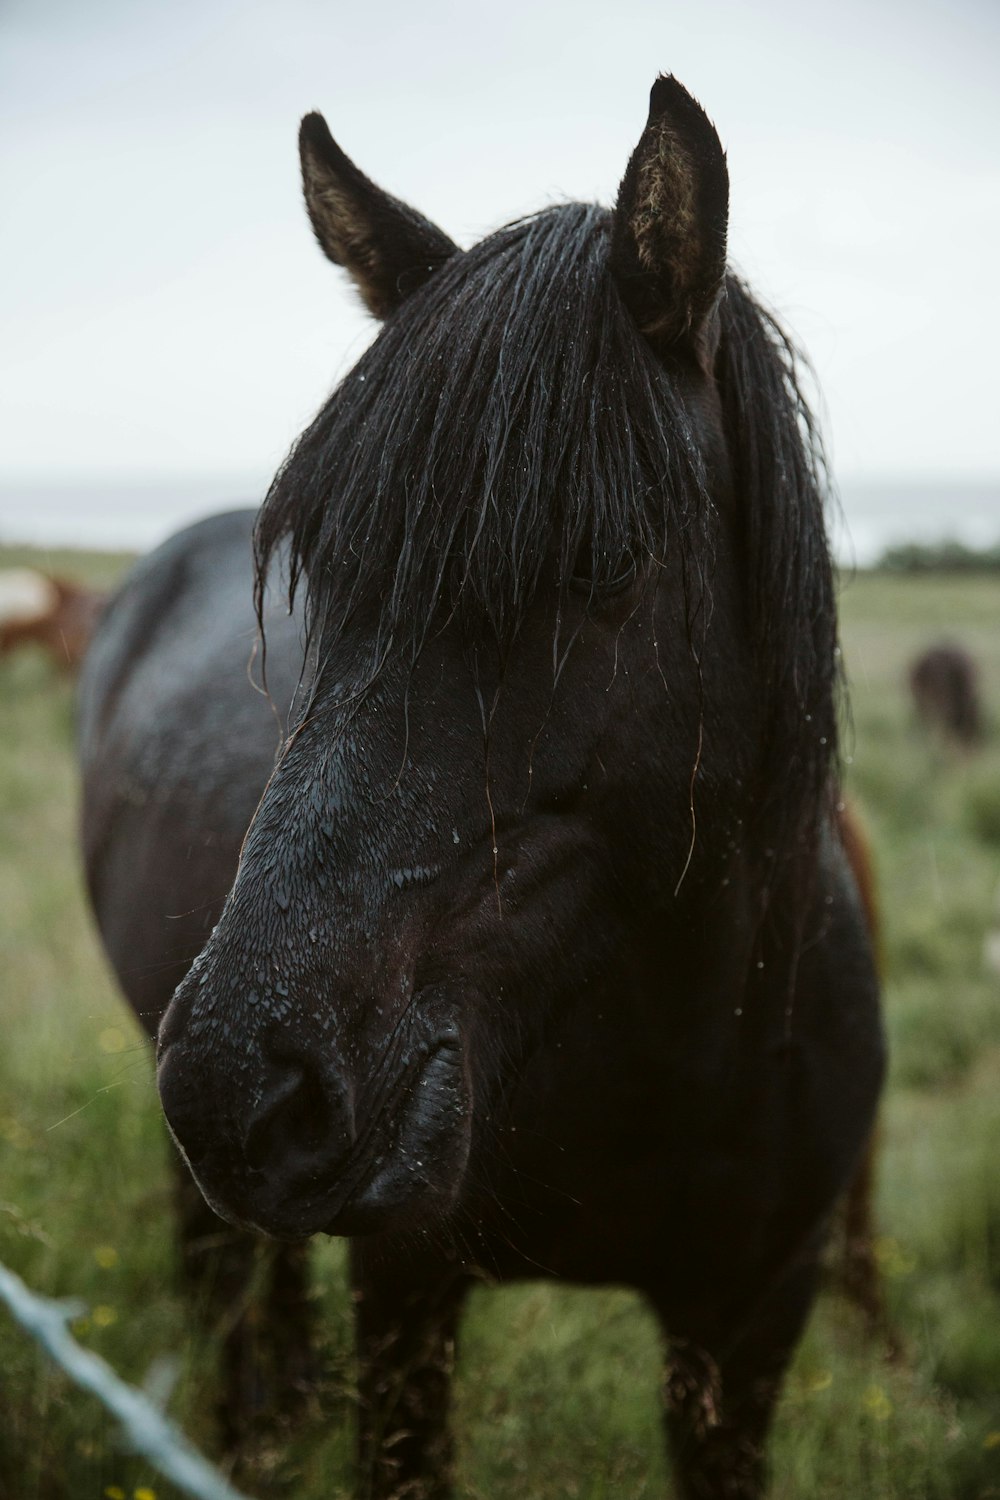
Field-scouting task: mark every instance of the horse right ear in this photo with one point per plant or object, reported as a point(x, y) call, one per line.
point(668, 239)
point(389, 249)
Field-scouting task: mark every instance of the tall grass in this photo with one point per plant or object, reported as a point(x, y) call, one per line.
point(557, 1388)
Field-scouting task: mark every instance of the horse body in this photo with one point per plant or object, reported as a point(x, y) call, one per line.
point(176, 746)
point(540, 953)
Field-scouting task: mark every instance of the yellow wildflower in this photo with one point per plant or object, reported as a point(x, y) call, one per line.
point(14, 1132)
point(892, 1258)
point(103, 1316)
point(106, 1257)
point(877, 1403)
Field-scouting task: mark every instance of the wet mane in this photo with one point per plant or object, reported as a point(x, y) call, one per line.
point(508, 420)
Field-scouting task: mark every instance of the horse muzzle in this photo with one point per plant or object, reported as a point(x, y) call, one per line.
point(307, 1157)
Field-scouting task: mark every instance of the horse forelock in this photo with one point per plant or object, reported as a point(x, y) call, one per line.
point(509, 417)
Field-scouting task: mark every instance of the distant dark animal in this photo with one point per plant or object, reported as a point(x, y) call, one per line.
point(535, 951)
point(54, 613)
point(944, 682)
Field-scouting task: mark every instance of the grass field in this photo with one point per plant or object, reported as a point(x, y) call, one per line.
point(557, 1390)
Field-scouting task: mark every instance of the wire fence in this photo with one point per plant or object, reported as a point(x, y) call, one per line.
point(145, 1428)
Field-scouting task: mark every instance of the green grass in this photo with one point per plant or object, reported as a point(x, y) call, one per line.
point(557, 1389)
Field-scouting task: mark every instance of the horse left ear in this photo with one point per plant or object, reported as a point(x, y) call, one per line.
point(389, 249)
point(668, 240)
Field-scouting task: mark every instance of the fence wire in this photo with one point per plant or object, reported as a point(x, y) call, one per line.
point(148, 1432)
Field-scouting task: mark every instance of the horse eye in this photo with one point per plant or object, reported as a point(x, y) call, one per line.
point(603, 582)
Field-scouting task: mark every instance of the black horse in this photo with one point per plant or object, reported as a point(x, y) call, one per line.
point(534, 950)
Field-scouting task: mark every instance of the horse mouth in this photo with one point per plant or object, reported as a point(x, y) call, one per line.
point(404, 1172)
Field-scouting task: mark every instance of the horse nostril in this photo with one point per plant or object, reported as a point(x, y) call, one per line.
point(300, 1116)
point(194, 1128)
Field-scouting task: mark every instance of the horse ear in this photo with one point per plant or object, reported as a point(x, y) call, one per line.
point(668, 239)
point(389, 249)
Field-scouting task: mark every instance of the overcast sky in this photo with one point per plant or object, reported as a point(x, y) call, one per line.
point(165, 312)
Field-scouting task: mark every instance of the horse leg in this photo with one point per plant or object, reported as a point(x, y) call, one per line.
point(857, 1267)
point(289, 1315)
point(722, 1382)
point(406, 1330)
point(860, 1275)
point(264, 1324)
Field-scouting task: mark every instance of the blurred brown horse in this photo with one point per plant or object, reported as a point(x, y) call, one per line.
point(48, 611)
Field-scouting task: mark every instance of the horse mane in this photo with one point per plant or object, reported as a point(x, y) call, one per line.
point(509, 419)
point(781, 479)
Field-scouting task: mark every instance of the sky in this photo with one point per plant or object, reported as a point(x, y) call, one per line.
point(166, 317)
